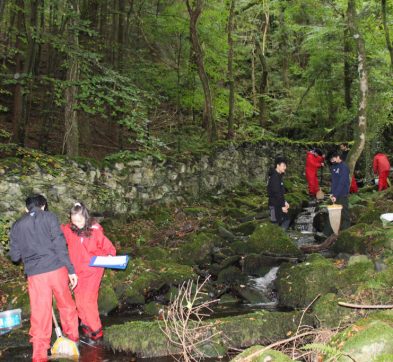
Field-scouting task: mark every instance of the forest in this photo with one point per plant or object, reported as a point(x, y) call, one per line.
point(99, 77)
point(162, 119)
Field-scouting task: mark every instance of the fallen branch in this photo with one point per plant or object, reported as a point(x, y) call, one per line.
point(300, 322)
point(311, 248)
point(366, 306)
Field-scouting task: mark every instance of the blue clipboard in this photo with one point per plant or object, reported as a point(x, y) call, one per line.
point(111, 262)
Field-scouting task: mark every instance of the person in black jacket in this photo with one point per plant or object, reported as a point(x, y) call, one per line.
point(37, 240)
point(277, 205)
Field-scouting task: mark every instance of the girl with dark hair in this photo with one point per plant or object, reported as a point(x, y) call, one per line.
point(85, 239)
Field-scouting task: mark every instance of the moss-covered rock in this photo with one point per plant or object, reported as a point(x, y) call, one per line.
point(266, 356)
point(366, 340)
point(153, 253)
point(361, 238)
point(356, 273)
point(257, 265)
point(143, 277)
point(231, 275)
point(146, 339)
point(197, 251)
point(329, 314)
point(107, 298)
point(246, 228)
point(299, 284)
point(267, 238)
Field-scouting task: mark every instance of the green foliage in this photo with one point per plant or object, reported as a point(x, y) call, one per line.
point(5, 226)
point(329, 352)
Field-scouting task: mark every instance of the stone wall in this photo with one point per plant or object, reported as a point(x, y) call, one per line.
point(127, 188)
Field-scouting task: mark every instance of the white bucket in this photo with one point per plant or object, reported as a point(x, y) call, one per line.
point(387, 220)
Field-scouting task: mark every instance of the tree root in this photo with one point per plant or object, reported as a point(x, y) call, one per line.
point(310, 248)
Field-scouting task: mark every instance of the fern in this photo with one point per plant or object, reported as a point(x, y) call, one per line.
point(332, 353)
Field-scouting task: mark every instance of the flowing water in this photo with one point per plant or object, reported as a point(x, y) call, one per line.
point(303, 233)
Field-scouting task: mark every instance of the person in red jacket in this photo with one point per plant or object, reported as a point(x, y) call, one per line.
point(85, 239)
point(381, 167)
point(314, 161)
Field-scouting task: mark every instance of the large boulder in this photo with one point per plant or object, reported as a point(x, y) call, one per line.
point(146, 339)
point(361, 238)
point(143, 278)
point(267, 238)
point(368, 340)
point(299, 284)
point(197, 250)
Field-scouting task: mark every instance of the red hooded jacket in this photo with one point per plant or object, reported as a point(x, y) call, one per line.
point(313, 163)
point(380, 163)
point(81, 248)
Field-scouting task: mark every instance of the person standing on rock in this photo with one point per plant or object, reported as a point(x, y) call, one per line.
point(85, 239)
point(344, 149)
point(37, 239)
point(277, 205)
point(314, 161)
point(340, 187)
point(381, 167)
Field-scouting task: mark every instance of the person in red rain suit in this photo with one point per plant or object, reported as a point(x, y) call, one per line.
point(85, 239)
point(314, 161)
point(381, 166)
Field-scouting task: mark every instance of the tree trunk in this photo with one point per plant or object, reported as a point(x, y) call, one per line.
point(71, 134)
point(348, 79)
point(253, 78)
point(360, 138)
point(2, 7)
point(120, 35)
point(18, 128)
point(284, 47)
point(208, 117)
point(389, 44)
point(263, 112)
point(263, 85)
point(231, 79)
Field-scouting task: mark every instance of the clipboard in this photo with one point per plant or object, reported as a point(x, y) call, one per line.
point(111, 262)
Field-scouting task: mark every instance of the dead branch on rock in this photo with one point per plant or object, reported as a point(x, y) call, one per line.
point(183, 324)
point(366, 306)
point(310, 248)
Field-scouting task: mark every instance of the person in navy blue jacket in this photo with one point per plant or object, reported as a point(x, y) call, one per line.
point(340, 187)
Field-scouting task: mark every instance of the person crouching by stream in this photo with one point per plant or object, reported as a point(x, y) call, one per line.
point(85, 239)
point(277, 205)
point(36, 238)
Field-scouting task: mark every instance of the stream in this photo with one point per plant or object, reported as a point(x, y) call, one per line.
point(302, 232)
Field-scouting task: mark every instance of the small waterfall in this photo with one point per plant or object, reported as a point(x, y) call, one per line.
point(263, 283)
point(304, 221)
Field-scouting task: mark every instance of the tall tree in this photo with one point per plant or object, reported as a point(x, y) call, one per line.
point(71, 133)
point(360, 134)
point(195, 10)
point(231, 79)
point(389, 43)
point(261, 50)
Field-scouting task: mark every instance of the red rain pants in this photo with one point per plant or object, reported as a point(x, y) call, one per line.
point(354, 186)
point(86, 297)
point(312, 180)
point(383, 180)
point(41, 288)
